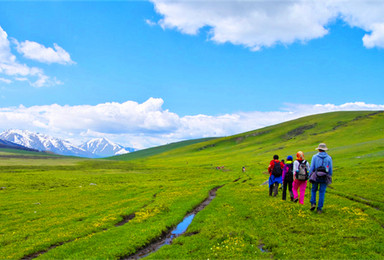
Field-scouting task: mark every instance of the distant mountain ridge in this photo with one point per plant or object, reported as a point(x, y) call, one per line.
point(43, 142)
point(94, 148)
point(10, 145)
point(103, 147)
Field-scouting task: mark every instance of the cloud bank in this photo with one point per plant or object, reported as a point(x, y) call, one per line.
point(265, 23)
point(12, 70)
point(148, 124)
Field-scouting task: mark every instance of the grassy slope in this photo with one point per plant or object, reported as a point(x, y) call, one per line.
point(355, 199)
point(45, 204)
point(340, 130)
point(157, 150)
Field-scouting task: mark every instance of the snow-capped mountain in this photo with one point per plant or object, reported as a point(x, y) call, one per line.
point(102, 147)
point(10, 145)
point(43, 142)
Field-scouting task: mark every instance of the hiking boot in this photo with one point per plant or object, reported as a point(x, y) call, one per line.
point(296, 200)
point(313, 206)
point(291, 198)
point(319, 211)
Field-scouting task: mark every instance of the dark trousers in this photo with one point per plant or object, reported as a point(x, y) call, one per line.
point(274, 188)
point(287, 184)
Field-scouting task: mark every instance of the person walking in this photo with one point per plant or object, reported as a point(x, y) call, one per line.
point(288, 177)
point(320, 176)
point(300, 177)
point(275, 170)
point(282, 177)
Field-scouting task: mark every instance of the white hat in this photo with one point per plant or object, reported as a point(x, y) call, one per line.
point(322, 146)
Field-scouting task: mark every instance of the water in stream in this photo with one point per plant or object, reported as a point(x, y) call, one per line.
point(179, 230)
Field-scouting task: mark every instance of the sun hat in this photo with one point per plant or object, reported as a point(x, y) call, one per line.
point(322, 146)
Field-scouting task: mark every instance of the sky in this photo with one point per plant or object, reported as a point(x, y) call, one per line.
point(147, 73)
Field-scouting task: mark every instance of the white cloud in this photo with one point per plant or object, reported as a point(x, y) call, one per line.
point(367, 15)
point(5, 50)
point(376, 38)
point(262, 23)
point(8, 81)
point(150, 22)
point(148, 124)
point(36, 51)
point(9, 65)
point(21, 79)
point(113, 118)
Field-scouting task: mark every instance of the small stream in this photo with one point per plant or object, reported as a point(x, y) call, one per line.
point(174, 233)
point(262, 248)
point(166, 239)
point(179, 230)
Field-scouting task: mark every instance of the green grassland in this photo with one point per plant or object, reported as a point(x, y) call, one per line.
point(158, 150)
point(74, 208)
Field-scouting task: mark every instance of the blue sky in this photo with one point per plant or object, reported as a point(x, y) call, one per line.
point(145, 73)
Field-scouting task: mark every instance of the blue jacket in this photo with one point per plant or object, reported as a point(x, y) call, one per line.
point(319, 159)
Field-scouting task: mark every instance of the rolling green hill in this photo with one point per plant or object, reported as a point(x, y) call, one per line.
point(355, 139)
point(157, 150)
point(109, 209)
point(343, 132)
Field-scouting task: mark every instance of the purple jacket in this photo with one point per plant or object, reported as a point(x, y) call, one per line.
point(286, 168)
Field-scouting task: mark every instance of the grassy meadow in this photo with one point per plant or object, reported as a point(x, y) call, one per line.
point(56, 207)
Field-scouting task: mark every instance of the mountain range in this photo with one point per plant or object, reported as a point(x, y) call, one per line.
point(100, 147)
point(103, 147)
point(10, 145)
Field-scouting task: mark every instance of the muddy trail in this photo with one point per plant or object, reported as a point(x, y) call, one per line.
point(171, 234)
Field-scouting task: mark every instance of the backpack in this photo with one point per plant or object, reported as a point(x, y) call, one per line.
point(322, 168)
point(289, 175)
point(321, 172)
point(277, 171)
point(302, 175)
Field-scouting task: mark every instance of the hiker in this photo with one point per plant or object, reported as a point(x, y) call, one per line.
point(300, 177)
point(281, 186)
point(275, 170)
point(320, 176)
point(288, 177)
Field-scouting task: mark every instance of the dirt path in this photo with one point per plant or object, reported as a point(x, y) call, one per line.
point(168, 236)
